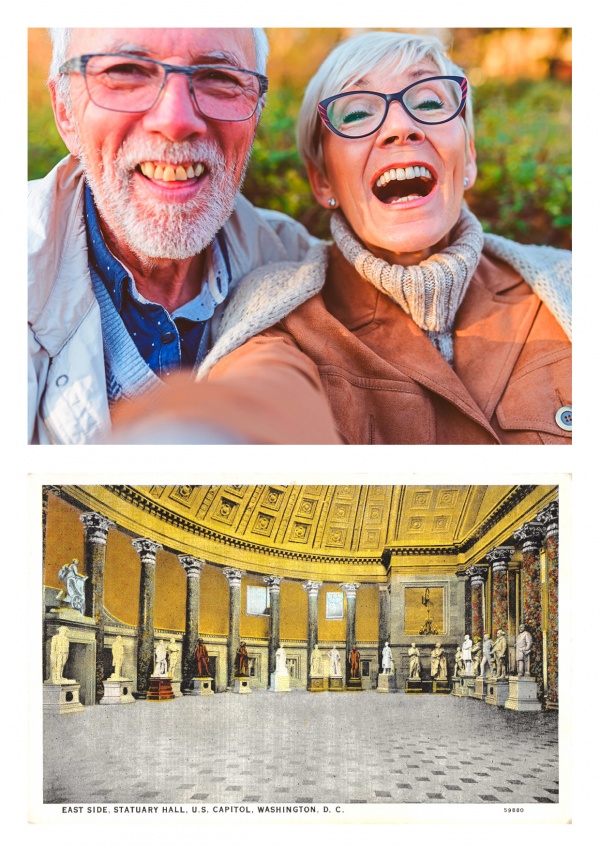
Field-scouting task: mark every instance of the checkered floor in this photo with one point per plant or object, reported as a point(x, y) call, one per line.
point(299, 747)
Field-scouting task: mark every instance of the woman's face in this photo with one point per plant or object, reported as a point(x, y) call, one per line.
point(398, 230)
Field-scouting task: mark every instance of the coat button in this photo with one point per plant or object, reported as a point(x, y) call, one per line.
point(62, 380)
point(168, 337)
point(564, 418)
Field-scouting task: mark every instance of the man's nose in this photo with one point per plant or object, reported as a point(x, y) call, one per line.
point(175, 114)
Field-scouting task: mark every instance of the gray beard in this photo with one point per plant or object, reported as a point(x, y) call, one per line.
point(163, 230)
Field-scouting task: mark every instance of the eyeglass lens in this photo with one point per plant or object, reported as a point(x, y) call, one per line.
point(431, 101)
point(133, 85)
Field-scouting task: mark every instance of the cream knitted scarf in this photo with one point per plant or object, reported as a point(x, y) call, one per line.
point(430, 292)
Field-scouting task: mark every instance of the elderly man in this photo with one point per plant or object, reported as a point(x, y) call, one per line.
point(139, 236)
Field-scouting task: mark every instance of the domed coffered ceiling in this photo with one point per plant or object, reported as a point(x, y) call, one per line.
point(304, 530)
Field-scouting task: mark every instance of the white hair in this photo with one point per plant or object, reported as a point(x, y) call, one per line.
point(358, 56)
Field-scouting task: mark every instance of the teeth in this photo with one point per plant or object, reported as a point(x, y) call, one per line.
point(171, 173)
point(403, 173)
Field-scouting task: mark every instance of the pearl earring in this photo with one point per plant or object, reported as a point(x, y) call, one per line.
point(332, 202)
point(466, 182)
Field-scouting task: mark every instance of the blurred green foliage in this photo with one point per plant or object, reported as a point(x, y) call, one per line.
point(523, 141)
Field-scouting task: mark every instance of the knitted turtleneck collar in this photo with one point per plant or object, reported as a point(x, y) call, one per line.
point(430, 292)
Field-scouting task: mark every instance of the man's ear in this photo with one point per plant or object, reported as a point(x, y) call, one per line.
point(64, 120)
point(320, 185)
point(470, 163)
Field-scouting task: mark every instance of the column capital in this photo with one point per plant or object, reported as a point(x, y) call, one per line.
point(96, 526)
point(312, 588)
point(548, 517)
point(477, 575)
point(273, 583)
point(146, 549)
point(233, 576)
point(530, 535)
point(350, 589)
point(385, 588)
point(192, 566)
point(499, 558)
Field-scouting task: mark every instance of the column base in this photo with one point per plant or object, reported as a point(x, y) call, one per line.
point(241, 684)
point(159, 689)
point(117, 692)
point(354, 685)
point(280, 683)
point(497, 692)
point(522, 694)
point(386, 683)
point(61, 698)
point(176, 688)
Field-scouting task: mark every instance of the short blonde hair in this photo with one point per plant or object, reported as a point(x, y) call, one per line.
point(357, 57)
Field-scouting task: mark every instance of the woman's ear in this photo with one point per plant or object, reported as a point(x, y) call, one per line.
point(64, 120)
point(470, 164)
point(320, 185)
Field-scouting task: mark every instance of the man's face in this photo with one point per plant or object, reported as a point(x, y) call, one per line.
point(152, 217)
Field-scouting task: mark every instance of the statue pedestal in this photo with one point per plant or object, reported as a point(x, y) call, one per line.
point(413, 686)
point(497, 692)
point(467, 685)
point(61, 698)
point(522, 694)
point(386, 683)
point(354, 684)
point(280, 683)
point(241, 684)
point(176, 688)
point(336, 683)
point(317, 684)
point(440, 686)
point(117, 692)
point(159, 689)
point(480, 691)
point(456, 686)
point(205, 684)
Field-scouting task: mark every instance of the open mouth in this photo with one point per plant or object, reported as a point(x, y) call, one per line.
point(171, 172)
point(401, 185)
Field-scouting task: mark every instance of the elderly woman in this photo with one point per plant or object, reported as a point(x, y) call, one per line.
point(413, 325)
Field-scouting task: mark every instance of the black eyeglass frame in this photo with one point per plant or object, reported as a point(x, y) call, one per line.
point(78, 64)
point(398, 97)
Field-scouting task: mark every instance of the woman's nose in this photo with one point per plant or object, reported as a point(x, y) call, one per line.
point(399, 127)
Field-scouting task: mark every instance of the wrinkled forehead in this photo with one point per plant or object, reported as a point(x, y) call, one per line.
point(397, 73)
point(231, 46)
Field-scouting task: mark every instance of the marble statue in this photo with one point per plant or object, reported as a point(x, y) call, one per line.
point(386, 658)
point(487, 656)
point(439, 663)
point(118, 656)
point(459, 665)
point(241, 660)
point(74, 586)
point(280, 665)
point(172, 657)
point(354, 661)
point(476, 656)
point(467, 645)
point(201, 656)
point(414, 662)
point(59, 652)
point(335, 659)
point(160, 659)
point(524, 645)
point(315, 661)
point(500, 653)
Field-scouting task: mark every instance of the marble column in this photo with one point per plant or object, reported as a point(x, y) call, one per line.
point(147, 550)
point(477, 576)
point(548, 517)
point(234, 580)
point(96, 531)
point(273, 583)
point(312, 589)
point(531, 535)
point(468, 600)
point(350, 591)
point(499, 559)
point(384, 620)
point(193, 568)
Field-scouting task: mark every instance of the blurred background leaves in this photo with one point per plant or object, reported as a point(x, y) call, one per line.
point(521, 80)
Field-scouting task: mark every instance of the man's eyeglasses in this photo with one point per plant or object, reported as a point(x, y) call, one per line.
point(123, 82)
point(356, 114)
